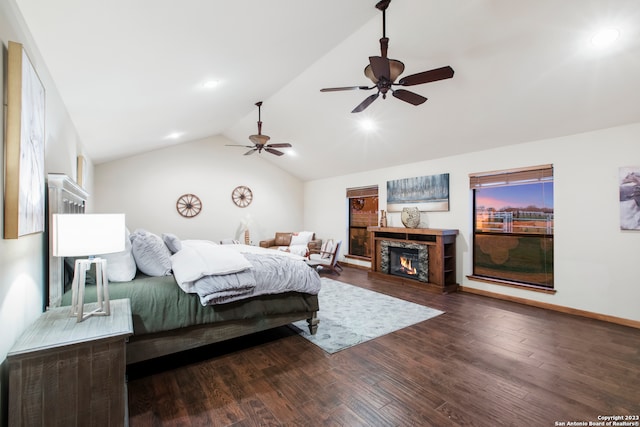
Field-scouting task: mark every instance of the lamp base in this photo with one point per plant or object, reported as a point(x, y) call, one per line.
point(78, 285)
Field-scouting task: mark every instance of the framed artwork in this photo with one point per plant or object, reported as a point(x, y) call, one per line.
point(629, 179)
point(427, 193)
point(24, 199)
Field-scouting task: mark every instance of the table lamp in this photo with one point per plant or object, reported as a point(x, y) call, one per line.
point(79, 235)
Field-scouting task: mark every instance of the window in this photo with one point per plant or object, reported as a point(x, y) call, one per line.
point(363, 212)
point(513, 226)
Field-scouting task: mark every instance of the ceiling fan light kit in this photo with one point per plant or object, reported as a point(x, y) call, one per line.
point(260, 141)
point(383, 72)
point(395, 69)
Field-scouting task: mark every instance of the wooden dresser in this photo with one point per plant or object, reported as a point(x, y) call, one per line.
point(65, 373)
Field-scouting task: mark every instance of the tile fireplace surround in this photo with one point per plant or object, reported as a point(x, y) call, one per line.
point(423, 257)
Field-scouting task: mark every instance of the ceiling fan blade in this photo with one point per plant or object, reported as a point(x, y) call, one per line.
point(281, 145)
point(272, 151)
point(380, 67)
point(237, 145)
point(364, 104)
point(427, 76)
point(336, 89)
point(250, 152)
point(410, 97)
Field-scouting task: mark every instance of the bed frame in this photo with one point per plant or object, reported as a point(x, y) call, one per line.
point(65, 196)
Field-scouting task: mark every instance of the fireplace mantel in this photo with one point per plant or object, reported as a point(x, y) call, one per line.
point(441, 244)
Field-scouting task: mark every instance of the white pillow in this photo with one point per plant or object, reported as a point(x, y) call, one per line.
point(199, 258)
point(152, 256)
point(301, 238)
point(172, 241)
point(121, 266)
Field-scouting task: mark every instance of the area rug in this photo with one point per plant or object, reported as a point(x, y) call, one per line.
point(350, 315)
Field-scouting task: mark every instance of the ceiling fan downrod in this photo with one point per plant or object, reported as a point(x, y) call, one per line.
point(384, 41)
point(259, 104)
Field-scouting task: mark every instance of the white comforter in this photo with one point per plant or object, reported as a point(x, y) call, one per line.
point(226, 273)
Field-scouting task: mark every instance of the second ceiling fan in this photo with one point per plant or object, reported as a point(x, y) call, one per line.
point(260, 141)
point(383, 72)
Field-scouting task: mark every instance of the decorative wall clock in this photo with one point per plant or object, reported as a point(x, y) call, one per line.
point(242, 196)
point(188, 205)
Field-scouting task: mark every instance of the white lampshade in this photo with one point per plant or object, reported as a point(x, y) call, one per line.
point(87, 234)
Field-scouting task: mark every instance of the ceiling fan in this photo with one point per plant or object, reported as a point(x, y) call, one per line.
point(383, 72)
point(260, 141)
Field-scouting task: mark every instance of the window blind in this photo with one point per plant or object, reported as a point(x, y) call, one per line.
point(371, 191)
point(517, 176)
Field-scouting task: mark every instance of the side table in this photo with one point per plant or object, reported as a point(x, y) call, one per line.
point(71, 374)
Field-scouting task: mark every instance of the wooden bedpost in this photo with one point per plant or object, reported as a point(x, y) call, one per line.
point(64, 196)
point(313, 323)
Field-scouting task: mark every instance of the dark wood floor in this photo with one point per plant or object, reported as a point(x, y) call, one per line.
point(485, 362)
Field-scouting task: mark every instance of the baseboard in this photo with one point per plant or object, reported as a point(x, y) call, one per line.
point(554, 307)
point(351, 265)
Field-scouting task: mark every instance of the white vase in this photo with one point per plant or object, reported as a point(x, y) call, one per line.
point(410, 217)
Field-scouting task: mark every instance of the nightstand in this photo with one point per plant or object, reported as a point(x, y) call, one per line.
point(71, 374)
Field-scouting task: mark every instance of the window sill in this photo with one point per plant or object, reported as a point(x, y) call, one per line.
point(507, 283)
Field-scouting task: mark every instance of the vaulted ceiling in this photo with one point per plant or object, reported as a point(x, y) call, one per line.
point(132, 72)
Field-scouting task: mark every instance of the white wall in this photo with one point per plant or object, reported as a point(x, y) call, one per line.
point(146, 187)
point(22, 261)
point(595, 262)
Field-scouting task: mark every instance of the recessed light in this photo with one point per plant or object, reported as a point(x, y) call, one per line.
point(368, 125)
point(605, 37)
point(211, 84)
point(174, 135)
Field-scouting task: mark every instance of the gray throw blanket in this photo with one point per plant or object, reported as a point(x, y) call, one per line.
point(271, 274)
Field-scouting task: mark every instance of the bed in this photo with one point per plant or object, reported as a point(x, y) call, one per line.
point(166, 319)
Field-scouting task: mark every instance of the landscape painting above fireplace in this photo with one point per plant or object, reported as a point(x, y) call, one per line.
point(427, 193)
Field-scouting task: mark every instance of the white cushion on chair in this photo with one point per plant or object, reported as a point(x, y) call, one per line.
point(318, 259)
point(315, 257)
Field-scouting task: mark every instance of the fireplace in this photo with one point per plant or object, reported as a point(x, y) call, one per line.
point(403, 262)
point(405, 259)
point(436, 256)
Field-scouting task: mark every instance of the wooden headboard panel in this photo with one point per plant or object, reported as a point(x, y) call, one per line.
point(63, 196)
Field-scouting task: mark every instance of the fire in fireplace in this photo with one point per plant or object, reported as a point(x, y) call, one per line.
point(406, 267)
point(403, 262)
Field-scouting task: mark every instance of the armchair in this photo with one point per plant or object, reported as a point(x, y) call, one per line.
point(327, 258)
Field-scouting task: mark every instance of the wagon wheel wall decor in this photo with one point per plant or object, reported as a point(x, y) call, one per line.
point(188, 205)
point(242, 196)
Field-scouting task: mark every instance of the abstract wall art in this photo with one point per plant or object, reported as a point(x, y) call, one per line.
point(24, 197)
point(427, 193)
